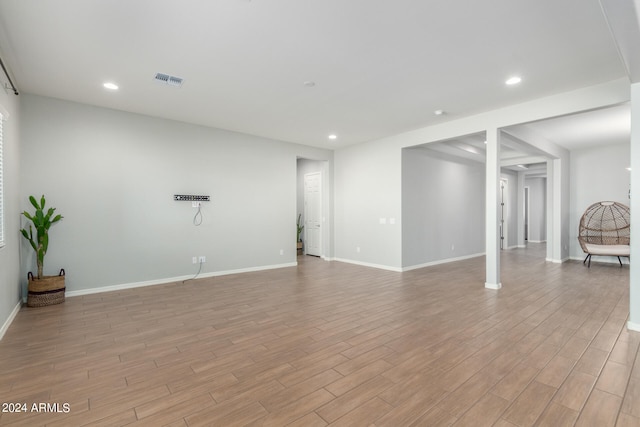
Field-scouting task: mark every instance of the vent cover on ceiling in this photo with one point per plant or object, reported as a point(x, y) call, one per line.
point(168, 80)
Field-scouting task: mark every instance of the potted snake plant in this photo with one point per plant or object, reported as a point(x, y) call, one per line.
point(42, 290)
point(299, 228)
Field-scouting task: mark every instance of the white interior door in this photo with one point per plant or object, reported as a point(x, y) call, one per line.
point(526, 214)
point(504, 214)
point(312, 213)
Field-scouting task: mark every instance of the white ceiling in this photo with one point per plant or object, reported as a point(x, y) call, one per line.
point(610, 125)
point(380, 67)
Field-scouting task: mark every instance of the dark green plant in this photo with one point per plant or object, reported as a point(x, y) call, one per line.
point(299, 227)
point(42, 222)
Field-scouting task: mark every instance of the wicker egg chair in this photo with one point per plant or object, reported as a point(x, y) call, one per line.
point(605, 230)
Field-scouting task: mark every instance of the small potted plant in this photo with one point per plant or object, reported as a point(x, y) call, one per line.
point(43, 290)
point(299, 227)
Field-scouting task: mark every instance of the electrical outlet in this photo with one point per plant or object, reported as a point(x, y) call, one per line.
point(358, 249)
point(195, 204)
point(281, 251)
point(194, 260)
point(202, 259)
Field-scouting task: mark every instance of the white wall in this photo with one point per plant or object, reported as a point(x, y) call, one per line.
point(597, 174)
point(368, 176)
point(368, 188)
point(537, 209)
point(442, 207)
point(10, 297)
point(113, 176)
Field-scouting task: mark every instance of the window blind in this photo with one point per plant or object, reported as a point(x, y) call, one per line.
point(1, 185)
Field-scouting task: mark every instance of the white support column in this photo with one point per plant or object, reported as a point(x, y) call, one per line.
point(557, 210)
point(492, 185)
point(520, 211)
point(634, 281)
point(551, 171)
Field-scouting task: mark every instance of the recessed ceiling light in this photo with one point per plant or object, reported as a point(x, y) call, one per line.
point(110, 86)
point(438, 112)
point(513, 80)
point(333, 136)
point(522, 167)
point(629, 169)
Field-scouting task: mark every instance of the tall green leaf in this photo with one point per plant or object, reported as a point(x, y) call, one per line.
point(42, 222)
point(34, 202)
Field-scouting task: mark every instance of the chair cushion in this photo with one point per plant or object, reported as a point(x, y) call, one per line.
point(612, 250)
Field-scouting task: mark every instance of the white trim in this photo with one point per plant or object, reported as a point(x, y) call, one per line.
point(537, 241)
point(409, 268)
point(494, 286)
point(368, 264)
point(633, 326)
point(12, 316)
point(123, 286)
point(557, 261)
point(442, 261)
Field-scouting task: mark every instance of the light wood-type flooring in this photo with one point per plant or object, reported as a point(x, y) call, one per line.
point(329, 343)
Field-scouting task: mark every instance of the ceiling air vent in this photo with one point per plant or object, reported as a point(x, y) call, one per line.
point(168, 80)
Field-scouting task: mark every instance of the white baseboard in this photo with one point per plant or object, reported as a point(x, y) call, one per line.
point(123, 286)
point(12, 316)
point(441, 261)
point(409, 268)
point(494, 286)
point(633, 326)
point(557, 261)
point(368, 264)
point(537, 241)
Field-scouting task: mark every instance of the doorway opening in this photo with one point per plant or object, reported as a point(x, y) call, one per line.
point(312, 208)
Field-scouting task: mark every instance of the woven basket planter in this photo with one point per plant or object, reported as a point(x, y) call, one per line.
point(46, 291)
